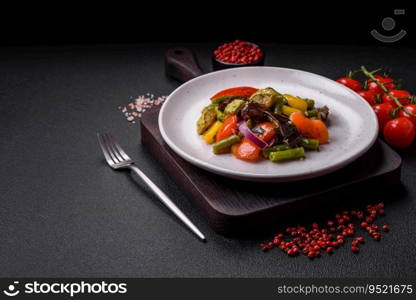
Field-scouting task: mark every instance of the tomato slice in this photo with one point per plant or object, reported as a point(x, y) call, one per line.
point(269, 131)
point(320, 132)
point(247, 150)
point(315, 129)
point(228, 128)
point(234, 148)
point(242, 91)
point(302, 123)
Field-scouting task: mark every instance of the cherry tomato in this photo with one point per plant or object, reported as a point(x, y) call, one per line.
point(412, 109)
point(399, 132)
point(383, 112)
point(402, 95)
point(350, 83)
point(369, 96)
point(376, 89)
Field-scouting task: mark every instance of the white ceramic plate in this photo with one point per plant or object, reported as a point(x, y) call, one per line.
point(353, 125)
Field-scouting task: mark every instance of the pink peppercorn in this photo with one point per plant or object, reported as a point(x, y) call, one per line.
point(364, 224)
point(238, 52)
point(369, 219)
point(311, 242)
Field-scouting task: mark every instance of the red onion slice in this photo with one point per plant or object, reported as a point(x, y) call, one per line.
point(242, 126)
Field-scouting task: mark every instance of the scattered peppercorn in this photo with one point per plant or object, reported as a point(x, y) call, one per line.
point(376, 236)
point(311, 242)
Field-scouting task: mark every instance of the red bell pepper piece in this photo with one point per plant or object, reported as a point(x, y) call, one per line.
point(241, 91)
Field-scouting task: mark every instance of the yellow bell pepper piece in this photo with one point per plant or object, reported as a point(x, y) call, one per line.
point(288, 110)
point(296, 102)
point(209, 136)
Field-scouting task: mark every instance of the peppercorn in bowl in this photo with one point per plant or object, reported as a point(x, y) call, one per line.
point(237, 54)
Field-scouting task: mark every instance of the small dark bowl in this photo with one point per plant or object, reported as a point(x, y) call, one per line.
point(221, 65)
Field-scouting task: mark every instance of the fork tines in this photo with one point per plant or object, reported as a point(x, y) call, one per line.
point(113, 153)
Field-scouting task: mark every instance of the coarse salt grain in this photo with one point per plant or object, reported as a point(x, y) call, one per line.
point(133, 111)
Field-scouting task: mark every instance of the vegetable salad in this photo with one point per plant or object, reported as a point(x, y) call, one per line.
point(254, 124)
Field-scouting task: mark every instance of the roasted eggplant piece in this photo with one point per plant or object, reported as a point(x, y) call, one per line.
point(207, 118)
point(221, 116)
point(234, 106)
point(266, 97)
point(223, 104)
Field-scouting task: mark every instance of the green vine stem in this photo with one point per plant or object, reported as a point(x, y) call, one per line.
point(352, 73)
point(385, 90)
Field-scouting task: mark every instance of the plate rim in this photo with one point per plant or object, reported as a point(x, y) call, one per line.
point(262, 177)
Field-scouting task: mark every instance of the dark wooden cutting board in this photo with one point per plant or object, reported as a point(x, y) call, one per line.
point(233, 207)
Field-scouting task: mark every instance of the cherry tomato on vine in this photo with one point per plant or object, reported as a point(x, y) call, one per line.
point(410, 108)
point(353, 84)
point(399, 132)
point(376, 89)
point(383, 112)
point(369, 96)
point(402, 95)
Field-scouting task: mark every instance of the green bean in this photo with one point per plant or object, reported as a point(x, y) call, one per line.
point(310, 144)
point(289, 154)
point(311, 103)
point(280, 101)
point(312, 113)
point(275, 148)
point(221, 145)
point(320, 113)
point(278, 108)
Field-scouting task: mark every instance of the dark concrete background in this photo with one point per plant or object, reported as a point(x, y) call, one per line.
point(63, 212)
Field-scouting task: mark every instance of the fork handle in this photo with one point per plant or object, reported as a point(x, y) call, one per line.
point(166, 200)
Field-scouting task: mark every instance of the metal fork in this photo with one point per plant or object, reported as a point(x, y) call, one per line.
point(118, 159)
